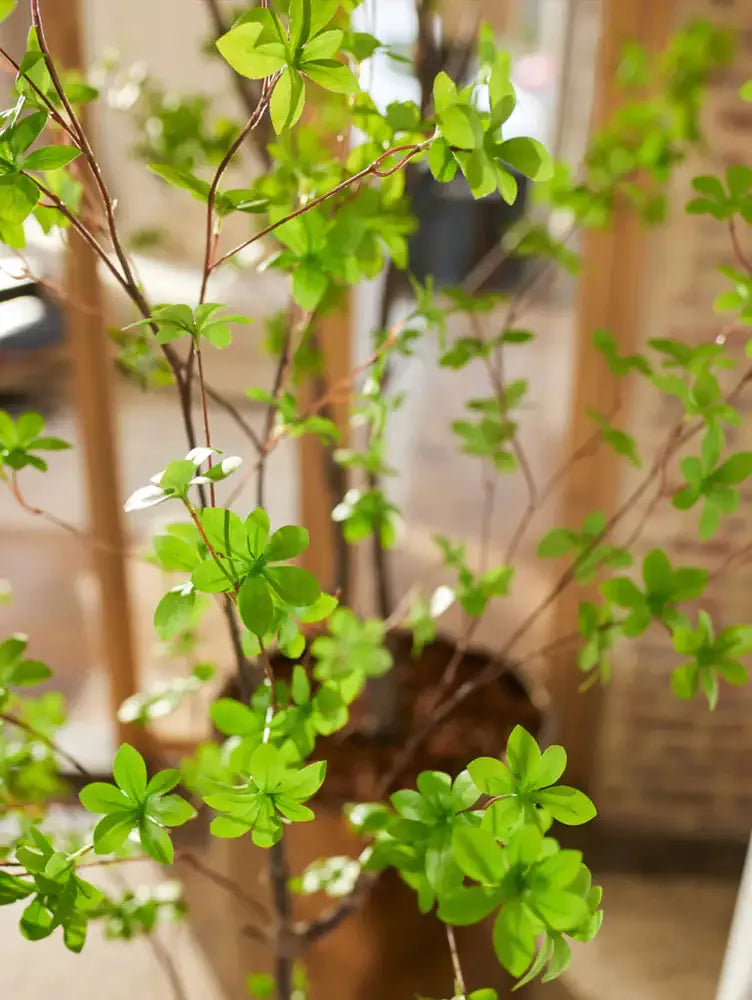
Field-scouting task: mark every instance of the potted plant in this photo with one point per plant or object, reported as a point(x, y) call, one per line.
point(472, 837)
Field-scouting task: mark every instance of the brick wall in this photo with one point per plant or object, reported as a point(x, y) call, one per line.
point(665, 764)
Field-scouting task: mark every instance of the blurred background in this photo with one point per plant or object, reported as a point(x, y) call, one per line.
point(673, 828)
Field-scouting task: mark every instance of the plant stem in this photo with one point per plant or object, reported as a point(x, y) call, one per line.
point(283, 959)
point(459, 977)
point(204, 412)
point(13, 720)
point(372, 170)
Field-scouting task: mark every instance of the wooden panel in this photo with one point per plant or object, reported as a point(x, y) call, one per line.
point(93, 372)
point(609, 296)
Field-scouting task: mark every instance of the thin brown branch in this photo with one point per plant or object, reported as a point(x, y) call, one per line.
point(250, 125)
point(373, 170)
point(13, 720)
point(204, 413)
point(216, 397)
point(54, 114)
point(229, 885)
point(459, 978)
point(741, 257)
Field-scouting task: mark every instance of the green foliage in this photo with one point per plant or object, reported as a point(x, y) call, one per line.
point(524, 792)
point(437, 837)
point(474, 590)
point(476, 845)
point(335, 876)
point(724, 202)
point(711, 658)
point(206, 321)
point(137, 805)
point(664, 588)
point(585, 548)
point(712, 482)
point(174, 482)
point(353, 649)
point(21, 439)
point(271, 794)
point(491, 432)
point(141, 911)
point(17, 671)
point(57, 896)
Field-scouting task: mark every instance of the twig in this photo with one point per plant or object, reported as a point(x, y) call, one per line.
point(13, 720)
point(372, 170)
point(745, 262)
point(229, 885)
point(250, 125)
point(237, 416)
point(459, 978)
point(283, 959)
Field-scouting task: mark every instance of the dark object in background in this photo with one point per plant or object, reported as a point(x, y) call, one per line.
point(455, 232)
point(31, 341)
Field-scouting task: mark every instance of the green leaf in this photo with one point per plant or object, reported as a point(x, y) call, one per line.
point(6, 8)
point(491, 776)
point(242, 49)
point(234, 719)
point(288, 101)
point(174, 613)
point(225, 531)
point(466, 905)
point(306, 782)
point(286, 543)
point(684, 681)
point(568, 805)
point(257, 531)
point(297, 587)
point(129, 771)
point(563, 911)
point(111, 832)
point(155, 840)
point(255, 606)
point(309, 284)
point(29, 672)
point(332, 75)
point(528, 156)
point(458, 126)
point(478, 855)
point(216, 577)
point(163, 781)
point(182, 179)
point(50, 158)
point(735, 469)
point(523, 753)
point(309, 17)
point(13, 888)
point(171, 810)
point(441, 162)
point(104, 798)
point(514, 936)
point(559, 962)
point(558, 542)
point(25, 132)
point(552, 765)
point(18, 196)
point(501, 818)
point(37, 922)
point(175, 553)
point(261, 985)
point(266, 767)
